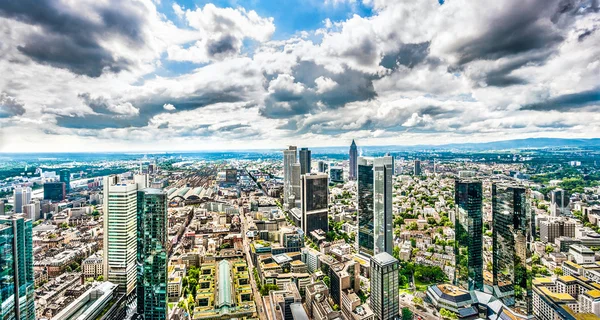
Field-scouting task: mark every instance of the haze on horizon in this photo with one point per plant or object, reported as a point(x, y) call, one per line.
point(199, 75)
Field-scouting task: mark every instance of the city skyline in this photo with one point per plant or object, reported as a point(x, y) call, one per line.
point(184, 75)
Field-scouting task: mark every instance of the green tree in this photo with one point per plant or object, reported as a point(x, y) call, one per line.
point(417, 301)
point(558, 271)
point(326, 280)
point(406, 314)
point(448, 314)
point(549, 248)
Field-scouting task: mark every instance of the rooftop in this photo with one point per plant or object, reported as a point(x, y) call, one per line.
point(384, 258)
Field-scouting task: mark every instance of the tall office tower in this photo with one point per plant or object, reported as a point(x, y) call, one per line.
point(289, 158)
point(366, 243)
point(296, 188)
point(65, 176)
point(559, 203)
point(21, 197)
point(393, 162)
point(304, 161)
point(382, 205)
point(55, 191)
point(16, 268)
point(384, 287)
point(468, 245)
point(18, 200)
point(417, 168)
point(321, 166)
point(152, 257)
point(120, 244)
point(353, 157)
point(315, 202)
point(511, 240)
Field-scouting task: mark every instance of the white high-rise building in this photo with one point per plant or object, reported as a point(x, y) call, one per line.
point(120, 230)
point(22, 196)
point(290, 157)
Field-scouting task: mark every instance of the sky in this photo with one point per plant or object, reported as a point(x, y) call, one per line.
point(159, 75)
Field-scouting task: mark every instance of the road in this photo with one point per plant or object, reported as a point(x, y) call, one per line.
point(406, 302)
point(256, 294)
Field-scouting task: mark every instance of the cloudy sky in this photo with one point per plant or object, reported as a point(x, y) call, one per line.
point(113, 75)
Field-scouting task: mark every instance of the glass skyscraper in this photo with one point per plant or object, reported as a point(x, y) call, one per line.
point(468, 245)
point(353, 155)
point(152, 256)
point(315, 202)
point(512, 220)
point(304, 161)
point(366, 243)
point(16, 268)
point(65, 176)
point(382, 204)
point(385, 300)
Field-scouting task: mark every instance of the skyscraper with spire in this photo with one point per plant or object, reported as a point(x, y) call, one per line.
point(353, 157)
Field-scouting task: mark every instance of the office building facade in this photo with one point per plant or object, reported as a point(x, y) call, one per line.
point(65, 176)
point(559, 203)
point(21, 197)
point(417, 171)
point(384, 287)
point(315, 202)
point(120, 233)
point(468, 244)
point(366, 242)
point(304, 161)
point(16, 268)
point(289, 158)
point(152, 277)
point(511, 240)
point(552, 229)
point(382, 205)
point(55, 191)
point(353, 155)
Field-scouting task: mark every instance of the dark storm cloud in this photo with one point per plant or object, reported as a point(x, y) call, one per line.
point(351, 86)
point(502, 77)
point(9, 106)
point(148, 108)
point(519, 30)
point(69, 39)
point(568, 102)
point(365, 53)
point(226, 45)
point(409, 55)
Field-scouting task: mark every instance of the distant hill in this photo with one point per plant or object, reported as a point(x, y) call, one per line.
point(529, 143)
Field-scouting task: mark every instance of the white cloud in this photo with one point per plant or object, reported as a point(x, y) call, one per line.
point(168, 107)
point(324, 84)
point(124, 109)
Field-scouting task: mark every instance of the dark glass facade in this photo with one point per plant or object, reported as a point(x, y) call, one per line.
point(152, 256)
point(304, 161)
point(511, 247)
point(385, 301)
point(16, 269)
point(353, 155)
point(315, 203)
point(55, 191)
point(65, 176)
point(468, 245)
point(382, 205)
point(366, 242)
